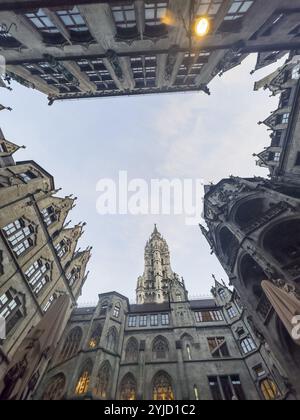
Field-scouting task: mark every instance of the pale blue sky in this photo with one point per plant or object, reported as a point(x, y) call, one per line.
point(164, 136)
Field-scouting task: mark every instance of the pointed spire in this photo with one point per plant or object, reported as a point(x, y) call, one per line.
point(155, 229)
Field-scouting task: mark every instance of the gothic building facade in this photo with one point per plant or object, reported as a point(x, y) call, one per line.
point(38, 256)
point(253, 227)
point(70, 49)
point(165, 347)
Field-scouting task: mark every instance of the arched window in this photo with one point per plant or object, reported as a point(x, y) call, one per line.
point(112, 340)
point(162, 387)
point(72, 343)
point(95, 337)
point(132, 350)
point(55, 388)
point(128, 388)
point(188, 351)
point(160, 348)
point(83, 381)
point(103, 381)
point(117, 309)
point(269, 389)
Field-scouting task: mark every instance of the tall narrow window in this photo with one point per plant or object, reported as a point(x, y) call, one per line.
point(104, 308)
point(11, 309)
point(222, 294)
point(95, 337)
point(117, 309)
point(55, 388)
point(103, 381)
point(49, 302)
point(73, 276)
point(72, 343)
point(83, 381)
point(196, 393)
point(218, 347)
point(165, 319)
point(232, 312)
point(248, 345)
point(215, 388)
point(38, 275)
point(61, 248)
point(128, 388)
point(154, 320)
point(20, 236)
point(189, 352)
point(162, 387)
point(143, 321)
point(160, 348)
point(132, 351)
point(112, 340)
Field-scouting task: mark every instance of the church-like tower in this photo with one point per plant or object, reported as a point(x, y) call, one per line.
point(154, 285)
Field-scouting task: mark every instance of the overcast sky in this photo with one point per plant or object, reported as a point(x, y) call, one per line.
point(164, 136)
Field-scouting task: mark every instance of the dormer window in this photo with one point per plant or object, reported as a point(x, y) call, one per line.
point(155, 13)
point(238, 9)
point(124, 16)
point(61, 248)
point(73, 20)
point(27, 176)
point(8, 41)
point(20, 236)
point(125, 20)
point(42, 22)
point(73, 276)
point(49, 215)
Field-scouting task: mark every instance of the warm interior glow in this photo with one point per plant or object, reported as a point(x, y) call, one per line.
point(202, 26)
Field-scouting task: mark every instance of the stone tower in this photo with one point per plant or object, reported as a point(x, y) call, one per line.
point(155, 285)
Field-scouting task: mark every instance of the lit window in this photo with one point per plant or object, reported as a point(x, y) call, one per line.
point(238, 9)
point(124, 16)
point(73, 20)
point(232, 312)
point(49, 215)
point(38, 276)
point(83, 383)
point(162, 388)
point(155, 13)
point(269, 389)
point(42, 22)
point(128, 388)
point(20, 236)
point(248, 345)
point(132, 321)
